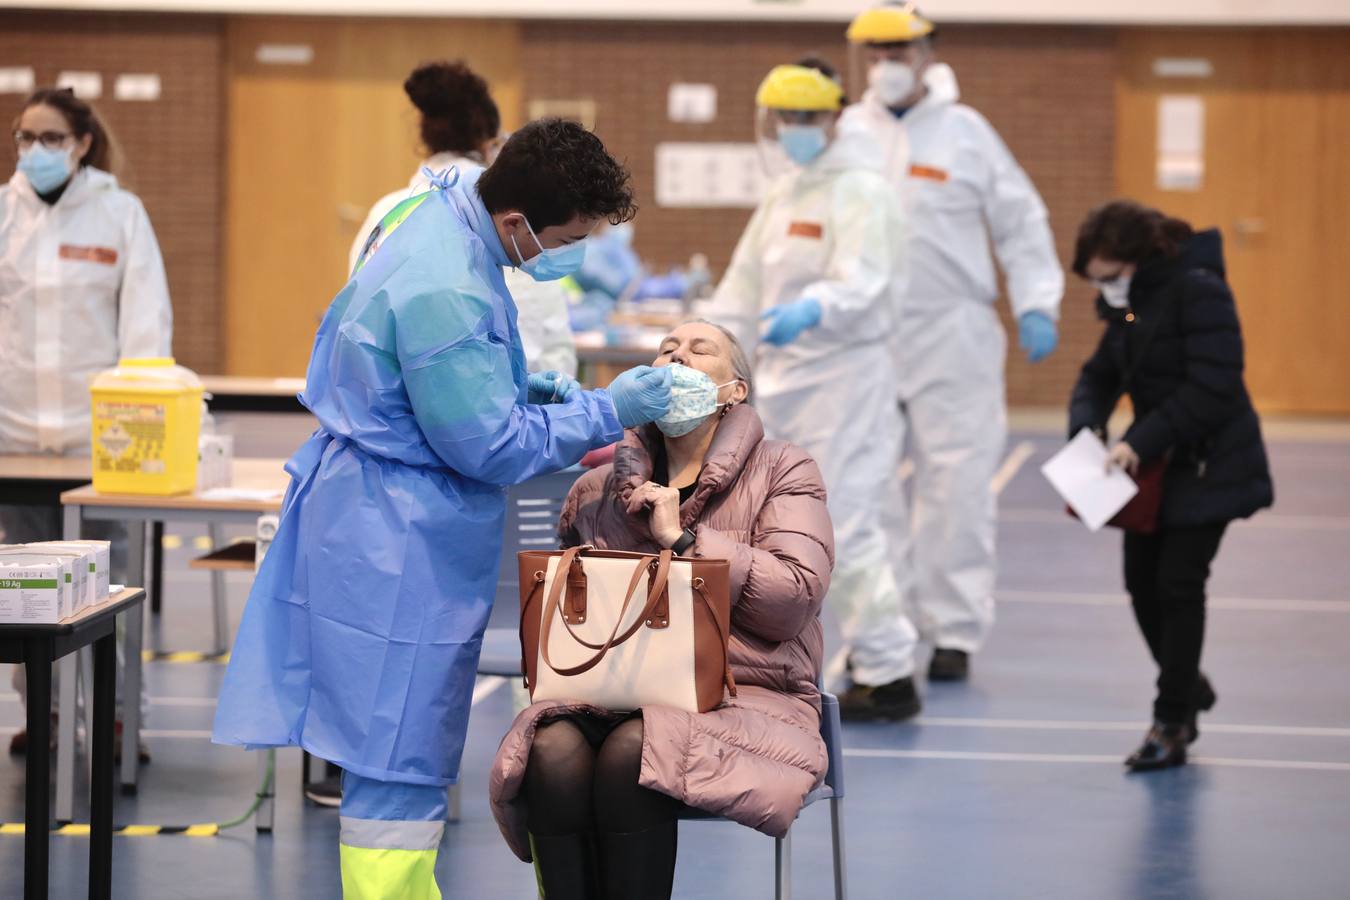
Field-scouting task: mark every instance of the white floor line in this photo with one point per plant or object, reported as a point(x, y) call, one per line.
point(485, 687)
point(1067, 725)
point(1243, 604)
point(203, 702)
point(1012, 465)
point(1031, 516)
point(1061, 758)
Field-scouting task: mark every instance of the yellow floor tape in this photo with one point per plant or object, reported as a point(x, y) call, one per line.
point(81, 829)
point(184, 656)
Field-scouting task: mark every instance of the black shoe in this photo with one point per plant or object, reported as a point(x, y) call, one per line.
point(1203, 700)
point(325, 792)
point(949, 665)
point(565, 866)
point(1164, 747)
point(639, 865)
point(896, 701)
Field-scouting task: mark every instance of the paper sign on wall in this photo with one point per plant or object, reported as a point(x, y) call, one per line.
point(137, 87)
point(86, 85)
point(17, 80)
point(692, 103)
point(708, 175)
point(1181, 142)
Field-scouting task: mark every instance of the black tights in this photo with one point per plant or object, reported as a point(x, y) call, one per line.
point(580, 779)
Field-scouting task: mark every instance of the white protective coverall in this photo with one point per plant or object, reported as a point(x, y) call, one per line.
point(545, 330)
point(834, 231)
point(963, 191)
point(81, 284)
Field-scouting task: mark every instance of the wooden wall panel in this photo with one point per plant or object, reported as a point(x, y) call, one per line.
point(311, 147)
point(1277, 184)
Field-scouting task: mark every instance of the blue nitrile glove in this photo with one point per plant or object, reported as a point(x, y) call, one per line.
point(550, 387)
point(787, 322)
point(641, 395)
point(1038, 335)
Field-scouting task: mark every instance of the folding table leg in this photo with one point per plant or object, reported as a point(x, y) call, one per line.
point(101, 749)
point(37, 788)
point(69, 669)
point(219, 611)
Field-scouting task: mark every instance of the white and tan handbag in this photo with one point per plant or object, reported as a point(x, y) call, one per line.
point(625, 630)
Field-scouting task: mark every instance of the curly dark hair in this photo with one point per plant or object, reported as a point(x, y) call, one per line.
point(458, 113)
point(1130, 232)
point(553, 170)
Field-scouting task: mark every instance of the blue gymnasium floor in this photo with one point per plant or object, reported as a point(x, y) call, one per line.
point(1008, 787)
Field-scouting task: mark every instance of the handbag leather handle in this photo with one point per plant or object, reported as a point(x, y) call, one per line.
point(658, 585)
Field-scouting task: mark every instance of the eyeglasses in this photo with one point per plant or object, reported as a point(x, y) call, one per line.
point(52, 140)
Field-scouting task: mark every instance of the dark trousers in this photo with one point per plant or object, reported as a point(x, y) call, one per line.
point(1165, 573)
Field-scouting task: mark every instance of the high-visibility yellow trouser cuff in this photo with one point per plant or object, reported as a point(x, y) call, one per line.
point(388, 874)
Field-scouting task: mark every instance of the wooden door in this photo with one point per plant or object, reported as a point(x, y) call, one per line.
point(1276, 182)
point(311, 145)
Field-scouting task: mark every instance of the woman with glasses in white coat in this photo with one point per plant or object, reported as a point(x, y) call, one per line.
point(81, 285)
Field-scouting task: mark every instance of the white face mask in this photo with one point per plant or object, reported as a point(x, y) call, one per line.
point(893, 81)
point(1115, 292)
point(693, 398)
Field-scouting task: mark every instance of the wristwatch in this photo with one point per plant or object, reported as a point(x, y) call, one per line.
point(684, 543)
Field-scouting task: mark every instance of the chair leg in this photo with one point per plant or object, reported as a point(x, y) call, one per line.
point(452, 800)
point(837, 836)
point(782, 851)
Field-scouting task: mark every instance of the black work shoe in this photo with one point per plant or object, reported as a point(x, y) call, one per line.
point(1203, 700)
point(325, 792)
point(949, 665)
point(896, 701)
point(1164, 747)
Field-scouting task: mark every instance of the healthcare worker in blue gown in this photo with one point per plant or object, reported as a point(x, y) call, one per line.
point(361, 635)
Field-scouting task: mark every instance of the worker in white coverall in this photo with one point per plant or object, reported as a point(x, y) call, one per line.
point(964, 192)
point(460, 128)
point(811, 292)
point(81, 285)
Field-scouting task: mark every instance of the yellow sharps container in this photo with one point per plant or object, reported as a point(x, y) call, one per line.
point(147, 415)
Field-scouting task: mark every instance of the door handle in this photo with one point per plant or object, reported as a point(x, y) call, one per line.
point(1249, 226)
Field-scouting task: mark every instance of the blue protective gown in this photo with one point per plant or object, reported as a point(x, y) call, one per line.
point(361, 636)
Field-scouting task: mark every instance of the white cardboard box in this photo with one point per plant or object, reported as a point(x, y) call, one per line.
point(34, 590)
point(100, 566)
point(80, 581)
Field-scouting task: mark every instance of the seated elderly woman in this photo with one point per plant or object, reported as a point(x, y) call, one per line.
point(592, 794)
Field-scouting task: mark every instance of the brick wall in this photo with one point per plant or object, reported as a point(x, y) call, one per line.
point(1048, 90)
point(173, 146)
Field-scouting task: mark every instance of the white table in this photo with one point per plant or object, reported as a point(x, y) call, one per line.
point(85, 504)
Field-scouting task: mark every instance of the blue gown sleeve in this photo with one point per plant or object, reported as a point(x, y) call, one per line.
point(458, 374)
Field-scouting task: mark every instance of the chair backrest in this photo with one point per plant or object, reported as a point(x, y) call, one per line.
point(532, 511)
point(832, 732)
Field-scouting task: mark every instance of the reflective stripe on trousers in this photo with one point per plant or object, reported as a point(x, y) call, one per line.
point(390, 832)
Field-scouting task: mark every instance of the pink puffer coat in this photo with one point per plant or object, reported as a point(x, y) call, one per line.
point(761, 505)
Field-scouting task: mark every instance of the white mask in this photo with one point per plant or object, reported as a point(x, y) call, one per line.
point(1115, 292)
point(693, 398)
point(893, 81)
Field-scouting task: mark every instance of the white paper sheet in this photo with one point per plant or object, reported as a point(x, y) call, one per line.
point(1078, 473)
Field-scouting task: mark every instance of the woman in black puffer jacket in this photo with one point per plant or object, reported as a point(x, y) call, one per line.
point(1173, 344)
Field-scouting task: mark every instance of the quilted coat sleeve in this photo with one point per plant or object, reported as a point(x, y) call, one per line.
point(779, 578)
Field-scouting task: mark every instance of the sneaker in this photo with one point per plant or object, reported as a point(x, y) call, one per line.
point(1164, 747)
point(949, 665)
point(896, 701)
point(18, 742)
point(326, 792)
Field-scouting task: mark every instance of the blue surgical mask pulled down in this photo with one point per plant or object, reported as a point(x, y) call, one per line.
point(802, 143)
point(693, 398)
point(550, 265)
point(46, 169)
